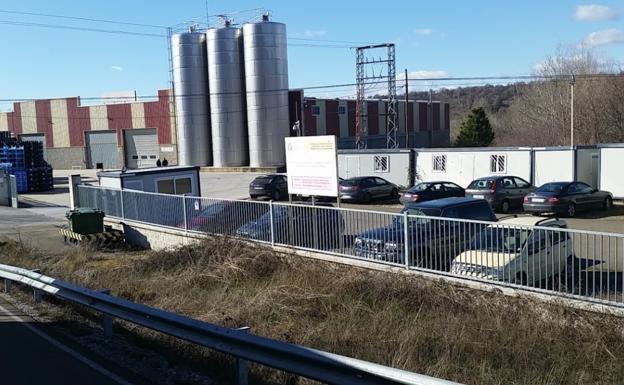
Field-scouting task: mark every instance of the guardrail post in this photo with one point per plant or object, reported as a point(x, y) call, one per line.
point(272, 224)
point(36, 292)
point(7, 286)
point(107, 320)
point(242, 366)
point(406, 249)
point(123, 214)
point(184, 213)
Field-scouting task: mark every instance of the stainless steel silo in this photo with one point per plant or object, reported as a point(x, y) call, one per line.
point(227, 98)
point(266, 83)
point(190, 86)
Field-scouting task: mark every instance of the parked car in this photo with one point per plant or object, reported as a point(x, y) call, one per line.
point(318, 198)
point(502, 192)
point(432, 243)
point(366, 188)
point(319, 226)
point(220, 217)
point(274, 186)
point(427, 191)
point(566, 198)
point(522, 255)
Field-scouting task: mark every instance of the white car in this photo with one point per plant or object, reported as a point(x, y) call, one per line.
point(523, 250)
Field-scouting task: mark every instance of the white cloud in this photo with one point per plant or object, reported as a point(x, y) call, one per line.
point(423, 31)
point(425, 74)
point(314, 33)
point(595, 12)
point(607, 36)
point(117, 68)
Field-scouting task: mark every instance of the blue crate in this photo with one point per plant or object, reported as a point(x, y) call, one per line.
point(21, 180)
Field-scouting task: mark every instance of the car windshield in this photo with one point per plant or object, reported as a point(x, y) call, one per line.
point(419, 187)
point(418, 212)
point(481, 184)
point(263, 179)
point(551, 188)
point(213, 209)
point(500, 239)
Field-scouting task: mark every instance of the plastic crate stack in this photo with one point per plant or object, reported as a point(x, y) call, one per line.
point(12, 160)
point(39, 173)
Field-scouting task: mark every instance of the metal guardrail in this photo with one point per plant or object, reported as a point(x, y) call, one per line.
point(310, 363)
point(547, 257)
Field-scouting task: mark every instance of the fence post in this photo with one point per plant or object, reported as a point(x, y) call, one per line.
point(36, 292)
point(74, 181)
point(272, 225)
point(242, 366)
point(406, 249)
point(121, 194)
point(184, 213)
point(107, 320)
point(7, 285)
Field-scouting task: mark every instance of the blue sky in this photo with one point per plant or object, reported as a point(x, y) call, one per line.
point(434, 38)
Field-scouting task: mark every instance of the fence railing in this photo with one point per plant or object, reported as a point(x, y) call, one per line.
point(548, 257)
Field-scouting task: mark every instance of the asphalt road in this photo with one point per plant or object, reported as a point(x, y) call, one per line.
point(30, 356)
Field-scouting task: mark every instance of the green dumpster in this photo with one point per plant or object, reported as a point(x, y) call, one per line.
point(86, 220)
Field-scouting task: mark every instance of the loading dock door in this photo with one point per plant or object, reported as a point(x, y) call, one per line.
point(141, 147)
point(102, 149)
point(353, 166)
point(35, 138)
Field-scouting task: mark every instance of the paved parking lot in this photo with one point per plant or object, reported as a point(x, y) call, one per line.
point(235, 186)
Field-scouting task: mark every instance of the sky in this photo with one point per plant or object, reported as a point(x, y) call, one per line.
point(433, 39)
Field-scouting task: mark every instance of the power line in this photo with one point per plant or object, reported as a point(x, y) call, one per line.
point(81, 18)
point(60, 26)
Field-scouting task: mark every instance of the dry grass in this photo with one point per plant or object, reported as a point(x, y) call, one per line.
point(402, 321)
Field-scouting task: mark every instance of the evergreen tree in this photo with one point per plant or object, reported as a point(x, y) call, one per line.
point(476, 130)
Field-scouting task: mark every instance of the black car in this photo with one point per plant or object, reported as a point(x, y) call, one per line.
point(427, 191)
point(432, 243)
point(366, 188)
point(502, 192)
point(319, 226)
point(220, 217)
point(566, 198)
point(274, 186)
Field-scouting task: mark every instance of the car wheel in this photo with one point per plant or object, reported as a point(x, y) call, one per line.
point(571, 211)
point(505, 206)
point(276, 195)
point(394, 193)
point(520, 279)
point(608, 202)
point(366, 198)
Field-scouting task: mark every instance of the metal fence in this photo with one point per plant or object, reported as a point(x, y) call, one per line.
point(548, 258)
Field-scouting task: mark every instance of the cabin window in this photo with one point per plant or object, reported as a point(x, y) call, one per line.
point(382, 163)
point(498, 164)
point(439, 163)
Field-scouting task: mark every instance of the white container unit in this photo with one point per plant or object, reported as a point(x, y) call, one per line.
point(611, 174)
point(553, 165)
point(462, 166)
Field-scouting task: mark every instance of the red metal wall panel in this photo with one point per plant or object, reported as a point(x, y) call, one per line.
point(309, 120)
point(410, 117)
point(332, 119)
point(16, 119)
point(447, 117)
point(372, 112)
point(79, 121)
point(43, 110)
point(351, 117)
point(422, 116)
point(119, 118)
point(436, 116)
point(157, 116)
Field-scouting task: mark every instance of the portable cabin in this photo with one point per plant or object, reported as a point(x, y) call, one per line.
point(179, 180)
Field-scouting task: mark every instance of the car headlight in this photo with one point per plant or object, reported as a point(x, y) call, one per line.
point(391, 246)
point(357, 242)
